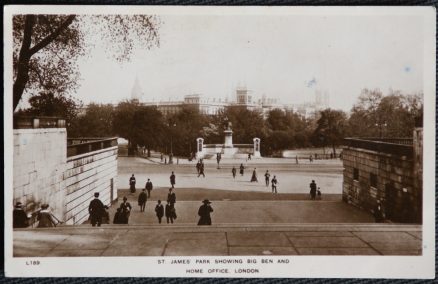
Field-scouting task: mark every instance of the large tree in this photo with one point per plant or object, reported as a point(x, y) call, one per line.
point(97, 121)
point(47, 47)
point(331, 128)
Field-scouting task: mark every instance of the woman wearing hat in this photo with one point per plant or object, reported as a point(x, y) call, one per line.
point(204, 213)
point(45, 217)
point(19, 217)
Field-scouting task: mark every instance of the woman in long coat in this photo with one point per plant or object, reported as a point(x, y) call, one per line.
point(242, 168)
point(254, 176)
point(204, 213)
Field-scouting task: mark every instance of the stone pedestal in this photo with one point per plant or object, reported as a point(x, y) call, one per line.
point(228, 143)
point(257, 148)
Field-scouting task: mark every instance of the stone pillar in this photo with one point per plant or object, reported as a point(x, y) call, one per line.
point(200, 148)
point(228, 143)
point(257, 148)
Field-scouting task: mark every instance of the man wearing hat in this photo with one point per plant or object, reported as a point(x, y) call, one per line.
point(96, 210)
point(204, 213)
point(20, 219)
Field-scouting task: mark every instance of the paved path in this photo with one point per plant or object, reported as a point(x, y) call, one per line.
point(292, 178)
point(217, 240)
point(240, 207)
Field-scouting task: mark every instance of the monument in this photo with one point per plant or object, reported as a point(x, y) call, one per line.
point(228, 149)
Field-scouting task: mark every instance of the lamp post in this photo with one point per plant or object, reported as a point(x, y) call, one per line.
point(381, 125)
point(171, 142)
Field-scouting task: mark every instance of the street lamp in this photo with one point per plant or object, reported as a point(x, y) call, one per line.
point(171, 143)
point(381, 125)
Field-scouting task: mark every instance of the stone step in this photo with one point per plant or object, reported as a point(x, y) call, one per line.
point(248, 226)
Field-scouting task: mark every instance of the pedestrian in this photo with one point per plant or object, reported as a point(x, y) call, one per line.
point(198, 167)
point(249, 156)
point(296, 160)
point(254, 176)
point(274, 183)
point(218, 159)
point(201, 170)
point(242, 168)
point(149, 186)
point(105, 216)
point(142, 198)
point(161, 157)
point(318, 194)
point(234, 171)
point(267, 176)
point(96, 210)
point(118, 218)
point(312, 190)
point(132, 183)
point(204, 213)
point(45, 217)
point(172, 180)
point(169, 212)
point(171, 196)
point(378, 215)
point(126, 208)
point(311, 158)
point(19, 217)
point(159, 211)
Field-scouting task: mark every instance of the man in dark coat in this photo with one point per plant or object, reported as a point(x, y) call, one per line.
point(267, 176)
point(159, 211)
point(172, 180)
point(171, 197)
point(242, 168)
point(149, 187)
point(132, 183)
point(170, 212)
point(201, 170)
point(313, 190)
point(233, 171)
point(142, 198)
point(126, 210)
point(96, 210)
point(20, 219)
point(378, 215)
point(274, 183)
point(204, 213)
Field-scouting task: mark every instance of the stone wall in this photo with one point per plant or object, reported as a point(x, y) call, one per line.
point(372, 175)
point(43, 174)
point(86, 174)
point(39, 163)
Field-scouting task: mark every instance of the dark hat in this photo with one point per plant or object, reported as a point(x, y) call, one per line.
point(45, 206)
point(96, 194)
point(206, 201)
point(125, 198)
point(18, 205)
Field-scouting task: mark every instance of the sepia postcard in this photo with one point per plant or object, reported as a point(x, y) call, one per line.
point(241, 142)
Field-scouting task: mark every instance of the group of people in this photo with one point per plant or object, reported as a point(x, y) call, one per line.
point(315, 192)
point(44, 216)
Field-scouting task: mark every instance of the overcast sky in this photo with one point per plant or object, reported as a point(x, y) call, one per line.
point(285, 57)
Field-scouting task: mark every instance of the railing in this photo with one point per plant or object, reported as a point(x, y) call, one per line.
point(25, 122)
point(401, 141)
point(379, 146)
point(90, 146)
point(234, 145)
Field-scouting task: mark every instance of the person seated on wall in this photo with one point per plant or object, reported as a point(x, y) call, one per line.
point(20, 219)
point(45, 217)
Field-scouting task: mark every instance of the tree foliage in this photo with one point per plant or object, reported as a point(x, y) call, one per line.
point(46, 48)
point(97, 121)
point(331, 128)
